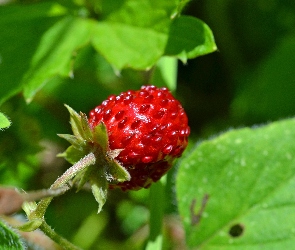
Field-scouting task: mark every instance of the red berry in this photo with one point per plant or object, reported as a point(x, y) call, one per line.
point(151, 128)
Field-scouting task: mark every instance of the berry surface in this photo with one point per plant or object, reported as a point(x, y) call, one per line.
point(150, 127)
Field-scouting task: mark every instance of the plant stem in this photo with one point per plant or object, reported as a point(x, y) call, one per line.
point(157, 206)
point(65, 244)
point(39, 212)
point(61, 181)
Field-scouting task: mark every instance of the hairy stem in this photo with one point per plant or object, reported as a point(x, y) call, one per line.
point(63, 180)
point(65, 244)
point(39, 212)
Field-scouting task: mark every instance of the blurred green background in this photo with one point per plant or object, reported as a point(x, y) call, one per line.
point(249, 81)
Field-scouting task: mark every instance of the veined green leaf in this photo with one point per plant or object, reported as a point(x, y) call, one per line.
point(9, 239)
point(237, 191)
point(137, 33)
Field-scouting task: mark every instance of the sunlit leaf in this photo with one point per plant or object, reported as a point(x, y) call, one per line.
point(21, 27)
point(137, 33)
point(55, 53)
point(237, 191)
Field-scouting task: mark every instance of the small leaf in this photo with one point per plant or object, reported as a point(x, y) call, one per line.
point(4, 121)
point(99, 187)
point(237, 190)
point(9, 239)
point(31, 225)
point(100, 136)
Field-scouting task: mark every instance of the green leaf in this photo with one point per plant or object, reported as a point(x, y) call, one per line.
point(21, 27)
point(165, 73)
point(4, 121)
point(237, 191)
point(157, 204)
point(188, 38)
point(9, 239)
point(122, 44)
point(55, 53)
point(137, 33)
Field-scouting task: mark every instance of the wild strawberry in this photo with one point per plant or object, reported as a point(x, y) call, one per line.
point(149, 126)
point(129, 141)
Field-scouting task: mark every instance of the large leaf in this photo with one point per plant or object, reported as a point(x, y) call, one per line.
point(129, 33)
point(137, 33)
point(9, 239)
point(55, 53)
point(237, 191)
point(21, 27)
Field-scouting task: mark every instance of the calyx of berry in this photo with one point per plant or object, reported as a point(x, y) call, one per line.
point(99, 168)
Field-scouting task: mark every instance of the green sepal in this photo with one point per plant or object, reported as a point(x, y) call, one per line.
point(115, 172)
point(72, 154)
point(83, 177)
point(100, 136)
point(79, 125)
point(87, 132)
point(99, 187)
point(78, 144)
point(29, 207)
point(74, 121)
point(87, 140)
point(31, 225)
